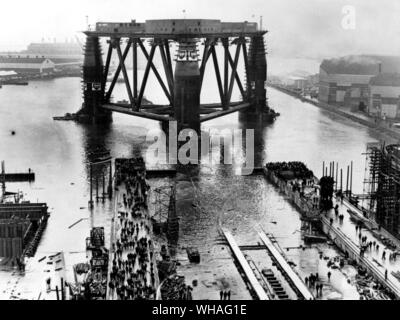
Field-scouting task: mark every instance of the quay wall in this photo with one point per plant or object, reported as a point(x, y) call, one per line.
point(304, 207)
point(335, 235)
point(346, 245)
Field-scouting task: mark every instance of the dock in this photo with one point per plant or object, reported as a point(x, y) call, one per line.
point(19, 177)
point(348, 242)
point(343, 233)
point(239, 257)
point(294, 278)
point(16, 177)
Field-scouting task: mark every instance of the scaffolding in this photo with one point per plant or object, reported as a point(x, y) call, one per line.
point(383, 185)
point(165, 218)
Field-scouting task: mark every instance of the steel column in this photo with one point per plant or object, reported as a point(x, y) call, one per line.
point(217, 74)
point(246, 64)
point(225, 43)
point(134, 57)
point(166, 45)
point(107, 66)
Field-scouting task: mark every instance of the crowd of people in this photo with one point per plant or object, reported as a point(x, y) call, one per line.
point(133, 272)
point(297, 169)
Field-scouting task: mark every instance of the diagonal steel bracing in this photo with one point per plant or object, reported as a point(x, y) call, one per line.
point(156, 73)
point(225, 81)
point(107, 66)
point(233, 74)
point(118, 71)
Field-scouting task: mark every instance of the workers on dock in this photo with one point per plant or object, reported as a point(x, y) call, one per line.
point(133, 275)
point(225, 295)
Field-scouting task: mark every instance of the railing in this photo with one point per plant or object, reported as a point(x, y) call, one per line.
point(351, 246)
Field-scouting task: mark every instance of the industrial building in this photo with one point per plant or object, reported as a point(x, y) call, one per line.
point(55, 49)
point(385, 96)
point(345, 81)
point(27, 64)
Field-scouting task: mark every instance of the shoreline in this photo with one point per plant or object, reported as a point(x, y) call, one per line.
point(378, 127)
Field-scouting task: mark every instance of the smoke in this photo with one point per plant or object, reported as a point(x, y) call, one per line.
point(355, 59)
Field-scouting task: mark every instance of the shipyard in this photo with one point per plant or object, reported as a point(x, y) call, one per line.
point(188, 156)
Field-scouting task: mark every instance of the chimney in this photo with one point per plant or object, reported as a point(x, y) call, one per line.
point(380, 67)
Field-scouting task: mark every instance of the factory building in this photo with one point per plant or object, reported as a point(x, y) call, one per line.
point(26, 65)
point(385, 96)
point(345, 81)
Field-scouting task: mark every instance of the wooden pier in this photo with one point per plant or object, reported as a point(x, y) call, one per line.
point(18, 177)
point(15, 177)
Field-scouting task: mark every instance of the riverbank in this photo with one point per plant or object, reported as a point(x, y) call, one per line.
point(381, 126)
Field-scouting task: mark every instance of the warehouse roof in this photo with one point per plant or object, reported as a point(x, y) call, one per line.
point(386, 79)
point(14, 59)
point(361, 64)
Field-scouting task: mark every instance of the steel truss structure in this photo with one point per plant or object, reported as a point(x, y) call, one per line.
point(98, 91)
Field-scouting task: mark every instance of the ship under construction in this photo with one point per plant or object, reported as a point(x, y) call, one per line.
point(382, 185)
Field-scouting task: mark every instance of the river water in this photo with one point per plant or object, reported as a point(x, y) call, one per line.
point(58, 153)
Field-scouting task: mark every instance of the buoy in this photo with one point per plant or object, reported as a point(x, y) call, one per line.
point(13, 132)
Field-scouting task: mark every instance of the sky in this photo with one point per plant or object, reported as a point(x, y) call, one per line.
point(306, 29)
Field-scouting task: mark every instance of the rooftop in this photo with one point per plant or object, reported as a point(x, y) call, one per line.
point(386, 79)
point(362, 64)
point(19, 59)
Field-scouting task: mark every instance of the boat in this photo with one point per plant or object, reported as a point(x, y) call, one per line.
point(66, 117)
point(193, 254)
